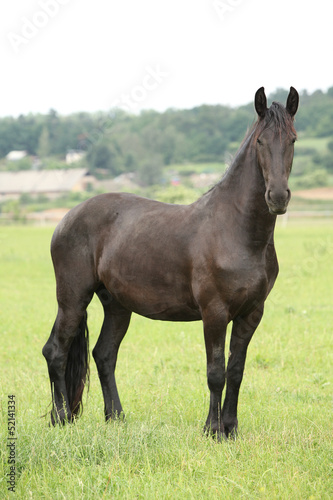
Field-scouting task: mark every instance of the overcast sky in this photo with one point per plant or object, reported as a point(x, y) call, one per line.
point(89, 55)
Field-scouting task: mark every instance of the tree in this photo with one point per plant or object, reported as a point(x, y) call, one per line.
point(150, 171)
point(100, 158)
point(43, 149)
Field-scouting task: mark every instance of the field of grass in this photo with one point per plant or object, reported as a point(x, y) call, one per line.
point(284, 449)
point(317, 143)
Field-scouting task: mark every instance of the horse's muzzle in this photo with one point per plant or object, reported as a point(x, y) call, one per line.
point(277, 200)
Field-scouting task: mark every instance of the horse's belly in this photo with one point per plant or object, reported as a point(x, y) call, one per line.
point(175, 313)
point(169, 300)
point(161, 309)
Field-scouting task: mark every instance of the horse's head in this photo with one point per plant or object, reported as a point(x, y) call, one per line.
point(275, 136)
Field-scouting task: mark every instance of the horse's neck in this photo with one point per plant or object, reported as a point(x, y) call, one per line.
point(243, 187)
point(244, 179)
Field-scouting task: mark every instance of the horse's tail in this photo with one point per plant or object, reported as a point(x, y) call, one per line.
point(77, 369)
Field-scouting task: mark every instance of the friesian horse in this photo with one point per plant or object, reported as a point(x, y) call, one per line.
point(213, 260)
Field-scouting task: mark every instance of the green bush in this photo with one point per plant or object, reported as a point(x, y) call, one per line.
point(316, 178)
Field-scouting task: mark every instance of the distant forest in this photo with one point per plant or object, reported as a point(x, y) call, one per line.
point(117, 142)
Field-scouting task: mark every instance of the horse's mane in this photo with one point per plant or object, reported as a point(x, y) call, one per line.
point(276, 117)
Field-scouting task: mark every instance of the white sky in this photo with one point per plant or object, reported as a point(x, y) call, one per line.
point(87, 55)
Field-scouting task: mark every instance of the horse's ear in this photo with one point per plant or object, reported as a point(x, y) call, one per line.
point(292, 101)
point(260, 102)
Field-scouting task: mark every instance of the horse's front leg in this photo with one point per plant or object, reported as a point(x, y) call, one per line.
point(242, 331)
point(215, 330)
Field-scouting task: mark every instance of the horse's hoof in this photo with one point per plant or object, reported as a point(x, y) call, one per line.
point(217, 434)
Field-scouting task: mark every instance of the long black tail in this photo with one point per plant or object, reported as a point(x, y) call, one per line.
point(77, 369)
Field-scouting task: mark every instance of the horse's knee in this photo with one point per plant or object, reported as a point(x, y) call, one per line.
point(215, 378)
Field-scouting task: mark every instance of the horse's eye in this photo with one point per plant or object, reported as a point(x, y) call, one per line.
point(293, 140)
point(259, 142)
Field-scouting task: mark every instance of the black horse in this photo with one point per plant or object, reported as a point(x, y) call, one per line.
point(213, 260)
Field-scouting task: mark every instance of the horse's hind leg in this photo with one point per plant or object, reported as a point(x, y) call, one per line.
point(66, 352)
point(115, 325)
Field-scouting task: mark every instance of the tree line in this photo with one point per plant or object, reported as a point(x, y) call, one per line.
point(118, 142)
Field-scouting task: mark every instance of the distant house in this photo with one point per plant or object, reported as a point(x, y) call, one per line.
point(74, 156)
point(51, 183)
point(16, 155)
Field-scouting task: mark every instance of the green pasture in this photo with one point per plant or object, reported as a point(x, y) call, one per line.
point(316, 143)
point(285, 444)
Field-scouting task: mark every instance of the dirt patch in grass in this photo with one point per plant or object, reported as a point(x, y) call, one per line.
point(324, 193)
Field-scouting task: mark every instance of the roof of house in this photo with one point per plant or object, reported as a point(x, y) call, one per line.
point(16, 155)
point(40, 181)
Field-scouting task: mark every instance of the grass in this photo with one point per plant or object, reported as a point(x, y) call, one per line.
point(185, 169)
point(284, 450)
point(317, 143)
point(299, 204)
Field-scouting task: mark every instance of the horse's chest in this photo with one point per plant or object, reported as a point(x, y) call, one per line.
point(245, 283)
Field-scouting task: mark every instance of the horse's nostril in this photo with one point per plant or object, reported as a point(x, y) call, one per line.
point(277, 196)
